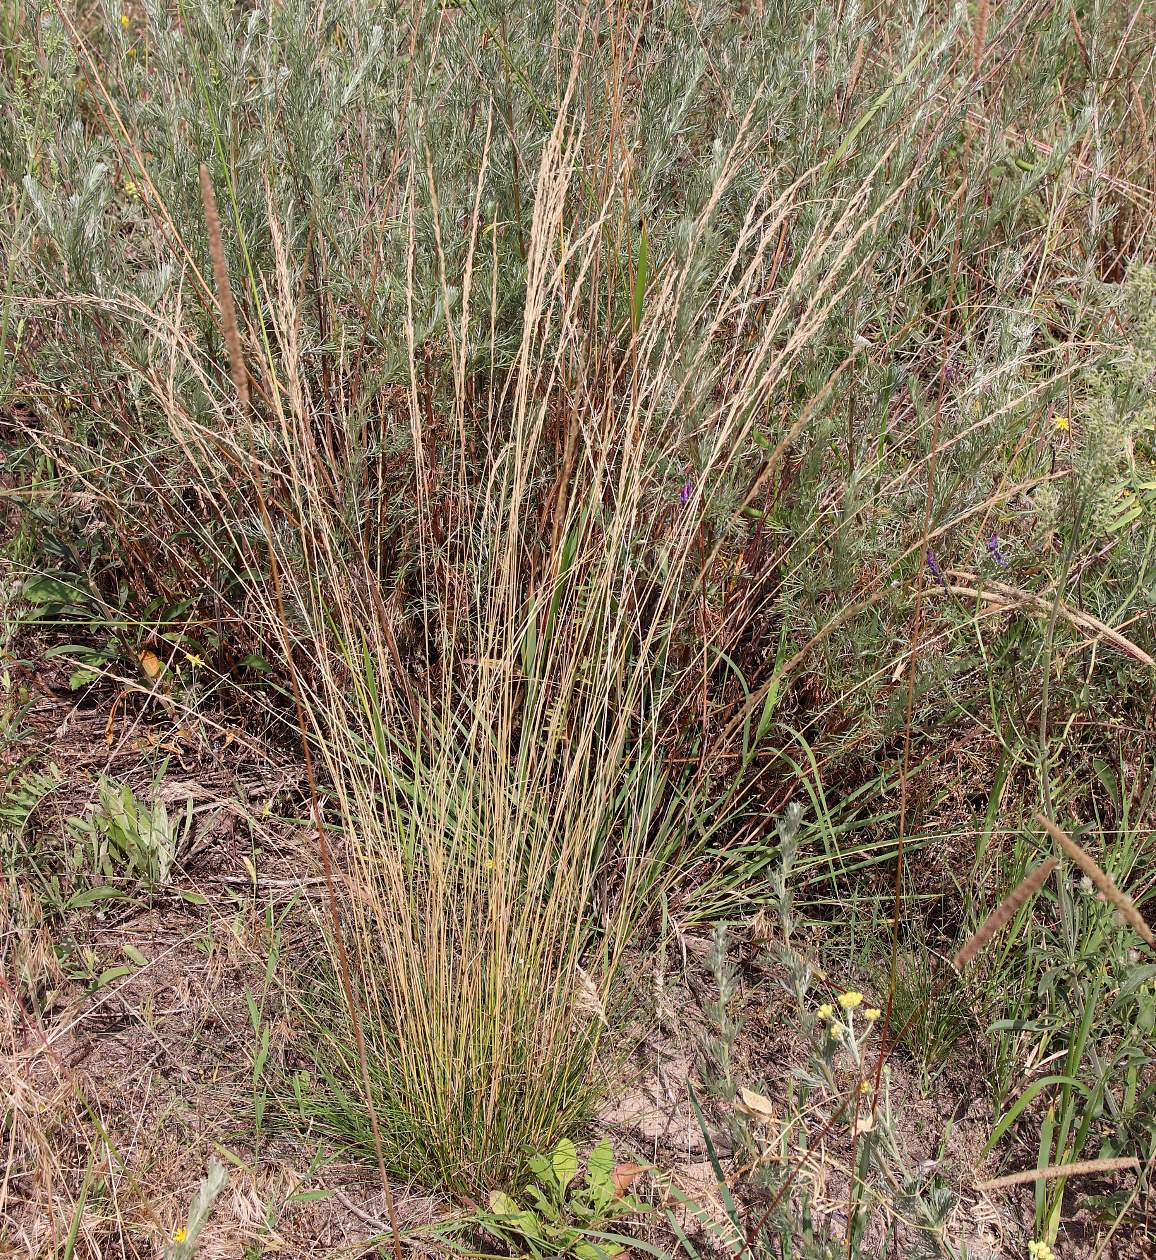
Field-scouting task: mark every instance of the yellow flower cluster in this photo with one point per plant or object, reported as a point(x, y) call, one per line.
point(849, 1001)
point(1040, 1251)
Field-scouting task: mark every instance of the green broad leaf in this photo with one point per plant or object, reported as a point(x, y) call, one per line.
point(113, 973)
point(80, 678)
point(564, 1162)
point(92, 896)
point(556, 1170)
point(509, 1214)
point(80, 651)
point(193, 898)
point(501, 1204)
point(50, 590)
point(600, 1173)
point(591, 1251)
point(543, 1204)
point(134, 955)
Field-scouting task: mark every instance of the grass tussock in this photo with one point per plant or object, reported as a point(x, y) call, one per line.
point(572, 434)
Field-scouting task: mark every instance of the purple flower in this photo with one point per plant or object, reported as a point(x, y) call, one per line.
point(950, 372)
point(993, 550)
point(685, 493)
point(936, 571)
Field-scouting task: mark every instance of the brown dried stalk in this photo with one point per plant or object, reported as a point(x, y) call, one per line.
point(1103, 881)
point(224, 291)
point(1003, 597)
point(1081, 1168)
point(1003, 913)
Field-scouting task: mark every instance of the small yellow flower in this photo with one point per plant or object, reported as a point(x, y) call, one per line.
point(180, 1234)
point(1063, 424)
point(872, 1013)
point(1040, 1251)
point(131, 52)
point(130, 188)
point(124, 21)
point(826, 1011)
point(837, 1031)
point(850, 1000)
point(194, 660)
point(864, 1087)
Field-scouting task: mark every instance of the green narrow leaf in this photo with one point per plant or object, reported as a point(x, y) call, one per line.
point(1009, 1118)
point(640, 278)
point(311, 1196)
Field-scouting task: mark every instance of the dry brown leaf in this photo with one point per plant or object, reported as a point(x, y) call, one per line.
point(150, 663)
point(756, 1106)
point(625, 1175)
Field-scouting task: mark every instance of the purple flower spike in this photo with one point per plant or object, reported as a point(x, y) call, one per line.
point(993, 550)
point(685, 493)
point(936, 571)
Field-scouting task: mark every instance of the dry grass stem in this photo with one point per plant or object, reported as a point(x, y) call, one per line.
point(1009, 597)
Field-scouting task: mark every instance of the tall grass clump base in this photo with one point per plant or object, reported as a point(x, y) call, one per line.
point(544, 420)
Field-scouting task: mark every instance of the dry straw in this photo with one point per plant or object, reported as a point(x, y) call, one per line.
point(1103, 881)
point(1004, 912)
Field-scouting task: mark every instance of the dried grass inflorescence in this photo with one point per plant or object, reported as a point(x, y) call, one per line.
point(228, 313)
point(1004, 912)
point(1128, 909)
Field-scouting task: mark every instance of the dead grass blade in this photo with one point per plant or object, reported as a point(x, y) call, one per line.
point(1013, 597)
